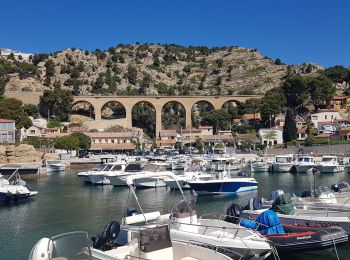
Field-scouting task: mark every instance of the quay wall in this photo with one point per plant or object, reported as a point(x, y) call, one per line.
point(338, 149)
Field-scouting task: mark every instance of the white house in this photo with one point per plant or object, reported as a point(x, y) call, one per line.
point(32, 131)
point(325, 115)
point(270, 136)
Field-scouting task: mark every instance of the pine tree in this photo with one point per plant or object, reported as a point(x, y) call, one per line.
point(289, 128)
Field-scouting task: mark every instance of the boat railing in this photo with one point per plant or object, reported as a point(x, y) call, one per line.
point(15, 175)
point(239, 220)
point(208, 227)
point(216, 248)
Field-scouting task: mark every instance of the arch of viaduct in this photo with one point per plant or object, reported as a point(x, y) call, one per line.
point(158, 102)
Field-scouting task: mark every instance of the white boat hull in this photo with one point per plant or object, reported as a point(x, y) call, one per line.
point(279, 167)
point(330, 168)
point(304, 168)
point(99, 179)
point(173, 185)
point(55, 168)
point(149, 183)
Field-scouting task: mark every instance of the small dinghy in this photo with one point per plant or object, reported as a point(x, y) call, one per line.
point(303, 238)
point(289, 237)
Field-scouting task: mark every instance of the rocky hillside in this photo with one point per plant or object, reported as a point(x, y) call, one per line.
point(153, 70)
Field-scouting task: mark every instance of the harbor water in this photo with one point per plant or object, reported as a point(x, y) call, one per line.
point(65, 204)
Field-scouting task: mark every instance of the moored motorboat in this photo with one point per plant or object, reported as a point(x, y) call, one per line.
point(147, 243)
point(305, 238)
point(55, 166)
point(259, 165)
point(329, 164)
point(156, 181)
point(191, 173)
point(118, 178)
point(98, 176)
point(304, 164)
point(223, 185)
point(303, 216)
point(14, 191)
point(228, 238)
point(290, 237)
point(282, 163)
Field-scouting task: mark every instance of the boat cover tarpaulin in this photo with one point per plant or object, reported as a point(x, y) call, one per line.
point(267, 223)
point(283, 204)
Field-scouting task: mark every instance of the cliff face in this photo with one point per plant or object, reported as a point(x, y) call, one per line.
point(158, 69)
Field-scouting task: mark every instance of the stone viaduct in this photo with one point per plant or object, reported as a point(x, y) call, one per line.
point(158, 102)
point(98, 103)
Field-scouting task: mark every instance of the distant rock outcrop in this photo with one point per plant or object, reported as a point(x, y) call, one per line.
point(158, 70)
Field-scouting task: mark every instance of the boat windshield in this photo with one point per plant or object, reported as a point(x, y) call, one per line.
point(305, 159)
point(53, 162)
point(117, 167)
point(322, 190)
point(100, 168)
point(327, 159)
point(108, 167)
point(133, 167)
point(154, 168)
point(283, 159)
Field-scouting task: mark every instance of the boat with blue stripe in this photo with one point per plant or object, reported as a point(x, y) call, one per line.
point(224, 186)
point(222, 182)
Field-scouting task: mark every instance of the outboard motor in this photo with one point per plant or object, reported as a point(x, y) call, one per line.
point(131, 212)
point(233, 214)
point(254, 204)
point(106, 240)
point(274, 194)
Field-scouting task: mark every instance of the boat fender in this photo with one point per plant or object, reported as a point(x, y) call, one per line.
point(233, 214)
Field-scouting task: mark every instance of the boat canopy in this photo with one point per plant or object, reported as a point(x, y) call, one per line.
point(323, 190)
point(133, 167)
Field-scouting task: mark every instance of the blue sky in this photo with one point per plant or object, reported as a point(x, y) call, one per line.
point(295, 31)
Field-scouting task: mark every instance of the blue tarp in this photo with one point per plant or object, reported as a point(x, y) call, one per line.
point(270, 223)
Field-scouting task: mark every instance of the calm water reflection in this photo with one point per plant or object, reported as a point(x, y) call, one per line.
point(64, 204)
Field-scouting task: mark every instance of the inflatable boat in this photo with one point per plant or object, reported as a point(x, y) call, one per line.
point(289, 237)
point(303, 238)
